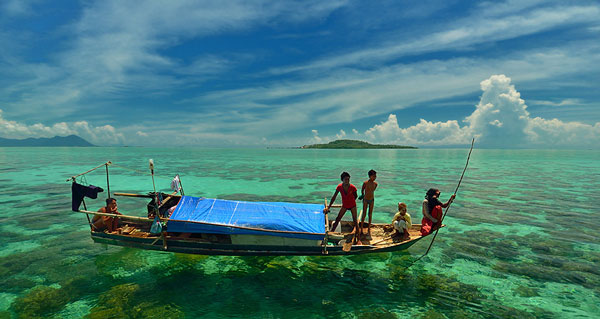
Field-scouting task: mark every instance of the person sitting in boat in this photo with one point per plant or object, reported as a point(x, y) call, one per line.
point(432, 211)
point(349, 195)
point(111, 224)
point(402, 222)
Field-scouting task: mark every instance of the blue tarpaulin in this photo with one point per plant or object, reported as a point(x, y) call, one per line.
point(218, 216)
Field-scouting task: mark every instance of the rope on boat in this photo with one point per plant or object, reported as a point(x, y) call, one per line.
point(72, 178)
point(447, 208)
point(142, 172)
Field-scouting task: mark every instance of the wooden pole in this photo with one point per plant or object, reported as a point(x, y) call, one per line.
point(107, 182)
point(441, 219)
point(455, 191)
point(180, 185)
point(156, 210)
point(143, 219)
point(86, 215)
point(133, 195)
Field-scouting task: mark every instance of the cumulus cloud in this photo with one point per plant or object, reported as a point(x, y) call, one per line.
point(501, 116)
point(500, 120)
point(316, 137)
point(100, 135)
point(423, 133)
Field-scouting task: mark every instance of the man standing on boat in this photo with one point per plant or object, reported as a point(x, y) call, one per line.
point(100, 222)
point(349, 195)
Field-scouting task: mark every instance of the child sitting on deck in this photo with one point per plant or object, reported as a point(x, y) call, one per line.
point(402, 222)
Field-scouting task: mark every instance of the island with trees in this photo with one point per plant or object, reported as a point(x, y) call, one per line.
point(354, 144)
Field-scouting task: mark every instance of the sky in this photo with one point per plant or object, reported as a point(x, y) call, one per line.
point(427, 73)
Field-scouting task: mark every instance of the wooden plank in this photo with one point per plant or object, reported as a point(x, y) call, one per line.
point(326, 218)
point(144, 219)
point(134, 195)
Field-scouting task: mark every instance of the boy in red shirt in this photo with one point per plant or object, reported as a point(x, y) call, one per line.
point(349, 196)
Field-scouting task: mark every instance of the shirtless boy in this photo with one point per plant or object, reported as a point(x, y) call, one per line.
point(106, 222)
point(349, 196)
point(368, 198)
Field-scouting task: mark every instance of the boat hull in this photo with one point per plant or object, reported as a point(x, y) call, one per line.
point(206, 248)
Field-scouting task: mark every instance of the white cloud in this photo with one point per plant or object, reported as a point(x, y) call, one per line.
point(499, 24)
point(556, 133)
point(500, 120)
point(142, 134)
point(16, 7)
point(99, 135)
point(316, 138)
point(423, 133)
point(344, 96)
point(117, 48)
point(341, 134)
point(565, 102)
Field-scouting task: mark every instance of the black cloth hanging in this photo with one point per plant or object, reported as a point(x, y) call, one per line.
point(78, 191)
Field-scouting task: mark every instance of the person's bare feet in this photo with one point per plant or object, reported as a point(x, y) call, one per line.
point(406, 236)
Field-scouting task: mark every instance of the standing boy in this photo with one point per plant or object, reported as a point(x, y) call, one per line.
point(368, 198)
point(349, 196)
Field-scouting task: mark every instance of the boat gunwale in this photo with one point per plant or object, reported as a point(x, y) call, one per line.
point(238, 249)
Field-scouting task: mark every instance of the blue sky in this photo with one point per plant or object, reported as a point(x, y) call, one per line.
point(288, 73)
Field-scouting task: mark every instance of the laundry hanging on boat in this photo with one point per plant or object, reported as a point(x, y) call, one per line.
point(175, 184)
point(79, 191)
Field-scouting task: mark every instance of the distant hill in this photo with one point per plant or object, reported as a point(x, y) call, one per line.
point(71, 140)
point(354, 144)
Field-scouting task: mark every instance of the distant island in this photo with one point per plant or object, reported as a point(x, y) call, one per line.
point(354, 144)
point(71, 140)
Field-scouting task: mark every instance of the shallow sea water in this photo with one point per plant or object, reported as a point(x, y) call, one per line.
point(522, 238)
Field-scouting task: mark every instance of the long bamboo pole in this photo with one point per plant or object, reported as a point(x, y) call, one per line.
point(443, 216)
point(455, 191)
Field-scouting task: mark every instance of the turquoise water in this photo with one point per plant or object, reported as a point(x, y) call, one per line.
point(522, 238)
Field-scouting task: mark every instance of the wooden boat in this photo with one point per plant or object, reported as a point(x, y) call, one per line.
point(207, 226)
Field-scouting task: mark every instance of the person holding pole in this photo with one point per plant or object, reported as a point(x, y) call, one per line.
point(432, 211)
point(349, 195)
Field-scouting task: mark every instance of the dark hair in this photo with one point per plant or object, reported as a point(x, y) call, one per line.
point(344, 174)
point(372, 172)
point(431, 203)
point(109, 200)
